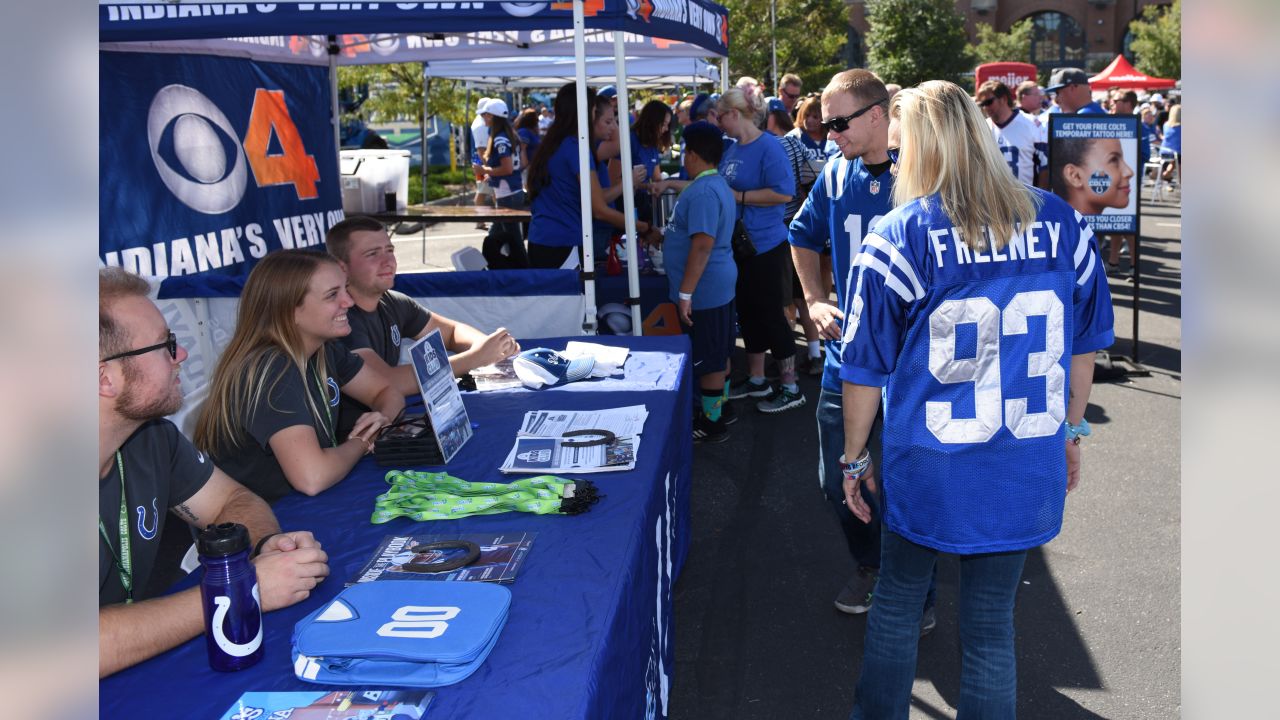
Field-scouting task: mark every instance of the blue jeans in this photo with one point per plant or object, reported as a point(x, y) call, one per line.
point(988, 674)
point(862, 538)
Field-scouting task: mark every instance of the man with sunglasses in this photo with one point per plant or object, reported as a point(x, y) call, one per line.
point(1019, 139)
point(846, 202)
point(789, 92)
point(146, 469)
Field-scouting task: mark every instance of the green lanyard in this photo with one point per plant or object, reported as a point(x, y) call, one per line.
point(328, 428)
point(712, 171)
point(123, 561)
point(423, 496)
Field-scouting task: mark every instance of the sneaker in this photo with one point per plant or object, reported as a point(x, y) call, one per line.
point(707, 431)
point(816, 365)
point(745, 388)
point(728, 414)
point(855, 598)
point(781, 399)
point(928, 621)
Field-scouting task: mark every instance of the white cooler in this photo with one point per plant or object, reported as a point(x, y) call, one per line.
point(368, 176)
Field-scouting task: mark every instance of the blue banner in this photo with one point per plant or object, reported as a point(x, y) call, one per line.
point(206, 163)
point(699, 22)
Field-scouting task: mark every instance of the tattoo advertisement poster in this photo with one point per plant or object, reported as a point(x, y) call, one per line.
point(364, 703)
point(406, 557)
point(1093, 165)
point(440, 394)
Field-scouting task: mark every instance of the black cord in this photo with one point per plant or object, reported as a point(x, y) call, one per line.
point(473, 554)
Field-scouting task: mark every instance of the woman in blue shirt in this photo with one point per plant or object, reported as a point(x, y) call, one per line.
point(504, 245)
point(556, 227)
point(759, 173)
point(651, 138)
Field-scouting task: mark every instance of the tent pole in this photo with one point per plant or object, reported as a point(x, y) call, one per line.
point(426, 113)
point(333, 93)
point(724, 73)
point(585, 163)
point(628, 184)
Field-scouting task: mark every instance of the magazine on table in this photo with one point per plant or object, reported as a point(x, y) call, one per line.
point(567, 441)
point(405, 557)
point(365, 703)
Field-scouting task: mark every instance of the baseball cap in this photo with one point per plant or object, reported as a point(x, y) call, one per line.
point(697, 109)
point(497, 107)
point(544, 366)
point(607, 91)
point(482, 106)
point(1157, 98)
point(775, 104)
point(1063, 77)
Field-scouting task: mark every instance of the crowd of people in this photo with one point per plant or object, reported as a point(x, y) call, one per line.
point(923, 210)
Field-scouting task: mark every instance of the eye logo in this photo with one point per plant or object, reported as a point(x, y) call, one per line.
point(523, 9)
point(192, 144)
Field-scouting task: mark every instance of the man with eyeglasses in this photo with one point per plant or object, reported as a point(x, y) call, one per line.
point(1074, 93)
point(1019, 139)
point(146, 469)
point(845, 203)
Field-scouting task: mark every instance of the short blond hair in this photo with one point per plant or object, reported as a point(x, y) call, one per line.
point(862, 85)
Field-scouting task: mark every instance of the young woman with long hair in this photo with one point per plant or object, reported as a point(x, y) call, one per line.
point(975, 309)
point(271, 417)
point(556, 228)
point(503, 247)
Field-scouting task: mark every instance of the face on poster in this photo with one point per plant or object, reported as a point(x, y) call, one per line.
point(1093, 165)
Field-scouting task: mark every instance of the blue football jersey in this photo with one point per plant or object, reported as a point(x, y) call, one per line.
point(423, 634)
point(973, 350)
point(844, 204)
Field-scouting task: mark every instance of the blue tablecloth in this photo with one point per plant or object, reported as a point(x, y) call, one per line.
point(589, 633)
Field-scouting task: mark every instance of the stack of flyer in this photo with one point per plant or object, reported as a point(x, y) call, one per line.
point(558, 442)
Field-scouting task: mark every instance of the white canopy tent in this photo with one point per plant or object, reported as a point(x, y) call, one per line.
point(371, 33)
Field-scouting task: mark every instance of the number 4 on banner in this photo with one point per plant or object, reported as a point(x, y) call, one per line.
point(293, 166)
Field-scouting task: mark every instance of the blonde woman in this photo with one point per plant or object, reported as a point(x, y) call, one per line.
point(977, 307)
point(272, 414)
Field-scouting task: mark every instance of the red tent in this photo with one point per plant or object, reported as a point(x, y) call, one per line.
point(1120, 74)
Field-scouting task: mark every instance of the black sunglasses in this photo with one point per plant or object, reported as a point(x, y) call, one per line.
point(893, 155)
point(170, 344)
point(840, 124)
point(987, 102)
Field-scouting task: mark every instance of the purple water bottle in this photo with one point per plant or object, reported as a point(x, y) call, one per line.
point(232, 607)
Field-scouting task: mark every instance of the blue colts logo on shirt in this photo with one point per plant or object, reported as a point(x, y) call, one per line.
point(395, 335)
point(334, 393)
point(143, 531)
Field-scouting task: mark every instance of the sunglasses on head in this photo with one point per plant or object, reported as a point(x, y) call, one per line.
point(840, 124)
point(170, 344)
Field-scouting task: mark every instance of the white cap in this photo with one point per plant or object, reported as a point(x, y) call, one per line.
point(482, 106)
point(1157, 98)
point(496, 107)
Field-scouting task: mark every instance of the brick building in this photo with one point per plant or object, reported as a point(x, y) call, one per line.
point(1079, 33)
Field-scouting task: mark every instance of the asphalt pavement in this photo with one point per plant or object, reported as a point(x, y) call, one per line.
point(1098, 616)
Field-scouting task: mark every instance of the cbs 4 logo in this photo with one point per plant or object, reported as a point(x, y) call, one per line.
point(202, 161)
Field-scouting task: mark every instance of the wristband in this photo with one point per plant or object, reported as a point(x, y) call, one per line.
point(857, 468)
point(257, 549)
point(685, 296)
point(1075, 432)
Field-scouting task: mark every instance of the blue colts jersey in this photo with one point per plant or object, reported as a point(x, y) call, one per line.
point(842, 207)
point(973, 349)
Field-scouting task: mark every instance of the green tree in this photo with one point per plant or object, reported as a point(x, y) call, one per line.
point(911, 41)
point(811, 35)
point(993, 46)
point(395, 93)
point(1157, 40)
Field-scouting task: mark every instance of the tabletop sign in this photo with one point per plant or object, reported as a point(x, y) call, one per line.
point(440, 394)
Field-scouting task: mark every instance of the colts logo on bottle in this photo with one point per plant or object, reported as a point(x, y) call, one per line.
point(222, 606)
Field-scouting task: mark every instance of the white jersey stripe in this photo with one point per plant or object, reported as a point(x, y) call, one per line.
point(891, 281)
point(895, 257)
point(1088, 270)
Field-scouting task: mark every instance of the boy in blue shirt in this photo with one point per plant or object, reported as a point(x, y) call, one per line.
point(702, 273)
